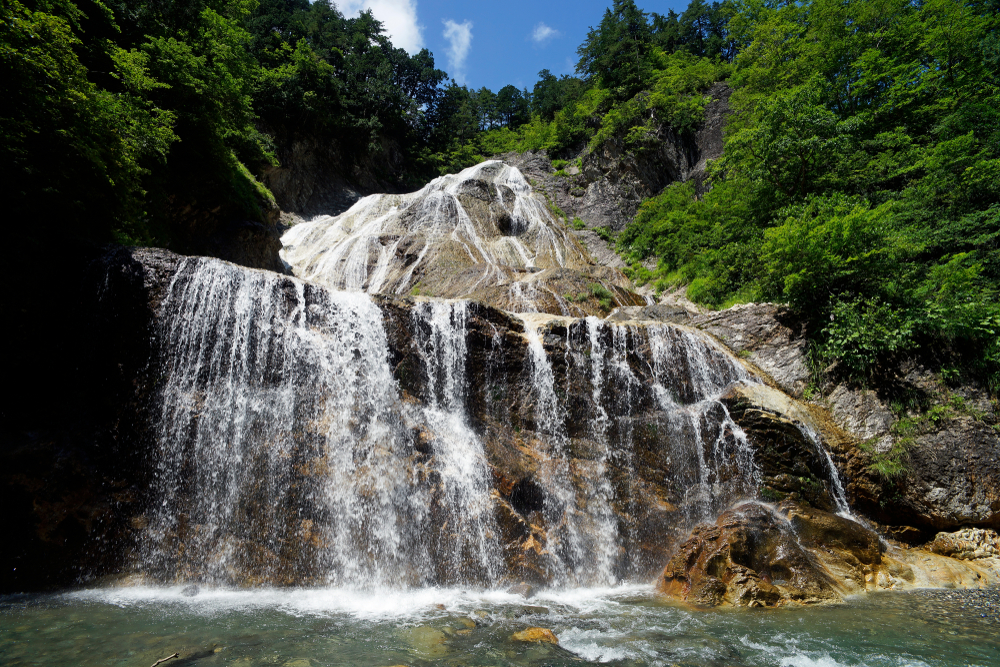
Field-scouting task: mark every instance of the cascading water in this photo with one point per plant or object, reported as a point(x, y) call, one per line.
point(480, 234)
point(483, 218)
point(314, 436)
point(283, 451)
point(278, 420)
point(469, 542)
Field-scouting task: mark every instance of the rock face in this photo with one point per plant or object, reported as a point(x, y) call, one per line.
point(950, 468)
point(314, 178)
point(756, 555)
point(480, 234)
point(229, 234)
point(793, 443)
point(768, 336)
point(281, 419)
point(613, 180)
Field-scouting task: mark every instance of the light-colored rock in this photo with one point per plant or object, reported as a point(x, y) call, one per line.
point(481, 234)
point(967, 544)
point(767, 335)
point(860, 412)
point(535, 636)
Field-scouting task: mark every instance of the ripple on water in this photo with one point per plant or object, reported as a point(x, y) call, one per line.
point(613, 626)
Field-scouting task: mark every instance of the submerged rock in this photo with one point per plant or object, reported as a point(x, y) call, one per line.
point(535, 636)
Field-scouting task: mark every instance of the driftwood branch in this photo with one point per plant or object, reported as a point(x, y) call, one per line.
point(169, 657)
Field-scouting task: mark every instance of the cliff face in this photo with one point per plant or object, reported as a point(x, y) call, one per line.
point(268, 430)
point(605, 190)
point(567, 450)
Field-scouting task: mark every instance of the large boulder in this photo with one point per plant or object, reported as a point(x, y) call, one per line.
point(750, 557)
point(759, 555)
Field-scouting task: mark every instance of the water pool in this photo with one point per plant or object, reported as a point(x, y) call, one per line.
point(617, 626)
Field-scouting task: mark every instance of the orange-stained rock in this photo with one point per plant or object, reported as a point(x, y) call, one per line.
point(749, 558)
point(535, 635)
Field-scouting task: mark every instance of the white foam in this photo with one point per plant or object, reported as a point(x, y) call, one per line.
point(373, 604)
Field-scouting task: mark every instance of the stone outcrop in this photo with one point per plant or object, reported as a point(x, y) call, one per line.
point(767, 335)
point(481, 234)
point(791, 440)
point(613, 180)
point(314, 178)
point(757, 555)
point(228, 233)
point(967, 544)
point(950, 474)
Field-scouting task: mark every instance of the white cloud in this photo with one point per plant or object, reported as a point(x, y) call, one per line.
point(459, 36)
point(398, 16)
point(543, 33)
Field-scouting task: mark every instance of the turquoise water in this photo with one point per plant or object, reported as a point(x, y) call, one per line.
point(620, 626)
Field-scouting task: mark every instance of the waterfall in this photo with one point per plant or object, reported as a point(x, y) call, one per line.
point(282, 447)
point(470, 541)
point(480, 234)
point(311, 436)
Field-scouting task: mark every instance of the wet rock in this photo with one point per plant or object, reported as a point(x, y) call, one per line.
point(756, 555)
point(790, 440)
point(523, 589)
point(535, 636)
point(738, 560)
point(425, 641)
point(190, 591)
point(481, 234)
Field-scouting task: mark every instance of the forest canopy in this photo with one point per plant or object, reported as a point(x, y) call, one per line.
point(859, 183)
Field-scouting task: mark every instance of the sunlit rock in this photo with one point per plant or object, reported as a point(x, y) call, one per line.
point(481, 234)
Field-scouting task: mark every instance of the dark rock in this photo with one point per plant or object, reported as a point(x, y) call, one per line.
point(523, 589)
point(190, 591)
point(788, 438)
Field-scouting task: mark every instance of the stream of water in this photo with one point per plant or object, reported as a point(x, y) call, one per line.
point(134, 627)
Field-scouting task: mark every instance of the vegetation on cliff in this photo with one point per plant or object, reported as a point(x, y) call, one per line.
point(860, 180)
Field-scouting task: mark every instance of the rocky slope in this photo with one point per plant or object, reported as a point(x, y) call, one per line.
point(482, 234)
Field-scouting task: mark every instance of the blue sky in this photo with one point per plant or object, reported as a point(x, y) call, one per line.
point(492, 44)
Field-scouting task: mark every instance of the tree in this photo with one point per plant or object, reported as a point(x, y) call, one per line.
point(617, 52)
point(512, 107)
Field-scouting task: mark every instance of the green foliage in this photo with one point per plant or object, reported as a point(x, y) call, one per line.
point(858, 183)
point(82, 150)
point(602, 294)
